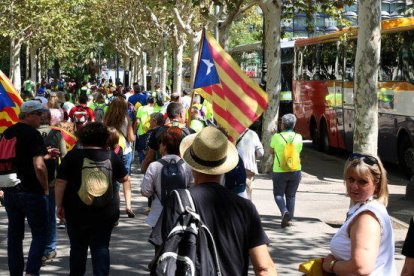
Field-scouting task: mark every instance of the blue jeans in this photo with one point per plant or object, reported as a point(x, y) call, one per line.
point(19, 205)
point(285, 184)
point(127, 160)
point(96, 237)
point(140, 146)
point(51, 229)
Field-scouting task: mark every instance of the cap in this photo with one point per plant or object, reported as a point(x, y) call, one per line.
point(31, 106)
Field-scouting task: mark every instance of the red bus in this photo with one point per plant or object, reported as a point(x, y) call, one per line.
point(323, 94)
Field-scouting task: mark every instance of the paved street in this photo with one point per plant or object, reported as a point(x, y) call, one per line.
point(320, 208)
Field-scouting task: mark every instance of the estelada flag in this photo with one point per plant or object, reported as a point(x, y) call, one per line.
point(237, 100)
point(10, 102)
point(69, 138)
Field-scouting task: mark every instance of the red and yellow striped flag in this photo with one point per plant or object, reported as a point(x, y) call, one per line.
point(10, 102)
point(237, 100)
point(70, 139)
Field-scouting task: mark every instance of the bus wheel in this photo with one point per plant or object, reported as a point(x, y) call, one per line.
point(324, 139)
point(406, 156)
point(314, 136)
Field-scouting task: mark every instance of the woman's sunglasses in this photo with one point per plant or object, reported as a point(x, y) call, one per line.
point(367, 159)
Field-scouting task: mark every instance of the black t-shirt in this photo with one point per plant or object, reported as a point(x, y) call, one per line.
point(29, 144)
point(233, 221)
point(71, 170)
point(408, 248)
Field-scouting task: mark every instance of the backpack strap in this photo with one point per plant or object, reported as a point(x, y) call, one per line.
point(185, 201)
point(278, 160)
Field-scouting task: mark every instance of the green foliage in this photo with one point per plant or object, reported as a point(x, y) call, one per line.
point(246, 30)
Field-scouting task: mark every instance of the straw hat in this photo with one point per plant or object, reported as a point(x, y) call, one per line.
point(209, 152)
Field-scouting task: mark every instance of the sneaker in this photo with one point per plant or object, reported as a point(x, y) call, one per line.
point(285, 220)
point(48, 257)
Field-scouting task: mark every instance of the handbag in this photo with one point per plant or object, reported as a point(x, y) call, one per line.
point(313, 267)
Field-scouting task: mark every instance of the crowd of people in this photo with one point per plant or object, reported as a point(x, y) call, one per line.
point(178, 146)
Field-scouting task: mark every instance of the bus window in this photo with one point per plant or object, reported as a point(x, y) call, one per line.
point(299, 62)
point(309, 62)
point(350, 51)
point(391, 45)
point(331, 67)
point(406, 56)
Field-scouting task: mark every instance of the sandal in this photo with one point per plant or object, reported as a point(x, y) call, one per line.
point(130, 213)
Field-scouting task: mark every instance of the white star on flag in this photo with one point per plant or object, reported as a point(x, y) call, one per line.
point(209, 65)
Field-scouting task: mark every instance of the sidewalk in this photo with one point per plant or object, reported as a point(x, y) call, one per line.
point(321, 202)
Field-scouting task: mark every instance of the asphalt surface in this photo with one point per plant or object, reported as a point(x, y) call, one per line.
point(321, 206)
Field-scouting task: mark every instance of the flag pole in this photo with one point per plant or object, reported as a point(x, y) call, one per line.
point(200, 45)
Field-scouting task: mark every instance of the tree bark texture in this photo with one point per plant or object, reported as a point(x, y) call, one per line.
point(272, 14)
point(164, 66)
point(366, 77)
point(154, 66)
point(15, 72)
point(178, 66)
point(33, 63)
point(144, 70)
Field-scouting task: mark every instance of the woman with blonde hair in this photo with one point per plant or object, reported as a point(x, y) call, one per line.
point(117, 117)
point(58, 114)
point(364, 245)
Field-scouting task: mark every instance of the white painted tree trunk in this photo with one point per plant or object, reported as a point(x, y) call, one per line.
point(144, 70)
point(132, 73)
point(164, 71)
point(33, 62)
point(154, 67)
point(15, 73)
point(366, 77)
point(39, 65)
point(272, 13)
point(178, 68)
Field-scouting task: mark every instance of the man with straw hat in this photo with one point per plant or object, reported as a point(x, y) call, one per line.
point(232, 220)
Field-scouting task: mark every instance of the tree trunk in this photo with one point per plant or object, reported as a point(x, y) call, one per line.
point(33, 63)
point(15, 73)
point(154, 67)
point(194, 55)
point(39, 65)
point(178, 68)
point(224, 29)
point(27, 68)
point(272, 13)
point(164, 71)
point(366, 77)
point(144, 70)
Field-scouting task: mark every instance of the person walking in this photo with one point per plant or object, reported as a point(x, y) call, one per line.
point(364, 245)
point(29, 199)
point(87, 199)
point(52, 138)
point(250, 148)
point(285, 179)
point(233, 221)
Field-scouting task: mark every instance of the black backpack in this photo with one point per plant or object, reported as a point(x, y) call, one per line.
point(159, 99)
point(190, 248)
point(172, 178)
point(51, 139)
point(235, 179)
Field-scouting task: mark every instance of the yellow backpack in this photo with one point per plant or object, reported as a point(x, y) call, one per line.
point(290, 158)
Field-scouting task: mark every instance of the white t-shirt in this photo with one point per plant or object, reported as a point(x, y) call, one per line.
point(250, 148)
point(341, 243)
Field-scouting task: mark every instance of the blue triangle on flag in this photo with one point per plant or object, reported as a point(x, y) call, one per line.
point(5, 100)
point(206, 74)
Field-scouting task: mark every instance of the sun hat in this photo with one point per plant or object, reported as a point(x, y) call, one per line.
point(209, 152)
point(31, 106)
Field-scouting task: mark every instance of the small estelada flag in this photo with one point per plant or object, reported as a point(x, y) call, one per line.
point(237, 100)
